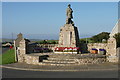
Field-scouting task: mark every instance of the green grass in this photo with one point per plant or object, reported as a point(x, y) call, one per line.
point(83, 40)
point(48, 42)
point(7, 57)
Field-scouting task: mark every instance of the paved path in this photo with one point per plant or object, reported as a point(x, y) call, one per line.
point(2, 50)
point(24, 66)
point(11, 73)
point(22, 70)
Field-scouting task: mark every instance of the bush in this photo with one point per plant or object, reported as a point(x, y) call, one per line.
point(48, 42)
point(99, 37)
point(117, 37)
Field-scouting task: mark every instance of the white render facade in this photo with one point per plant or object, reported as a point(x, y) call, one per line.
point(116, 29)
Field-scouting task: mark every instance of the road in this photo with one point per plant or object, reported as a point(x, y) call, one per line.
point(2, 50)
point(11, 73)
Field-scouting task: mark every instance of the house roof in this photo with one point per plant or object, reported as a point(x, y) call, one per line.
point(116, 29)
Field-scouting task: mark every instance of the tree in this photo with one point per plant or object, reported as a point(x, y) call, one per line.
point(99, 37)
point(85, 40)
point(53, 42)
point(48, 42)
point(82, 41)
point(117, 37)
point(43, 42)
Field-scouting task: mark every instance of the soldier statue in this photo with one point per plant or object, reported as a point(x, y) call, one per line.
point(69, 15)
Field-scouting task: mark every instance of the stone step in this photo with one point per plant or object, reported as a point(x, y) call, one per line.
point(69, 59)
point(59, 61)
point(57, 64)
point(78, 55)
point(61, 58)
point(64, 56)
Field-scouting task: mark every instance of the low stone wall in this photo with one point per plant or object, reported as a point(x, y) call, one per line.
point(112, 52)
point(92, 60)
point(30, 59)
point(115, 58)
point(110, 47)
point(97, 46)
point(33, 46)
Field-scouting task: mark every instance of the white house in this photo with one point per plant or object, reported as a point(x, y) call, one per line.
point(116, 29)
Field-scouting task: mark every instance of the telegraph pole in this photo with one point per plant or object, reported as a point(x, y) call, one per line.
point(12, 37)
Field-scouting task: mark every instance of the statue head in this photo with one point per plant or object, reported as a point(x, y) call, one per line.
point(69, 5)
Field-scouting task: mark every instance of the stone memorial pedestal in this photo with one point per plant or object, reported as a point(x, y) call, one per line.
point(68, 36)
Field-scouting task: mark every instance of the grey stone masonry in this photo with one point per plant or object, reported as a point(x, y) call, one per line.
point(62, 59)
point(68, 36)
point(112, 50)
point(112, 46)
point(16, 44)
point(19, 38)
point(22, 50)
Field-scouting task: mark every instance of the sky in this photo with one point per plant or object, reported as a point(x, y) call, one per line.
point(42, 20)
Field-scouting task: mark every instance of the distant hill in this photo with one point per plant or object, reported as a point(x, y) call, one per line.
point(6, 40)
point(10, 40)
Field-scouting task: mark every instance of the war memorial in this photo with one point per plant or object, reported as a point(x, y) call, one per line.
point(68, 50)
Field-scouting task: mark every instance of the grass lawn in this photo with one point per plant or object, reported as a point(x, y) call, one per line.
point(7, 57)
point(88, 40)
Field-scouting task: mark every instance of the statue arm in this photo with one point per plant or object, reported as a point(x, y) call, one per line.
point(67, 12)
